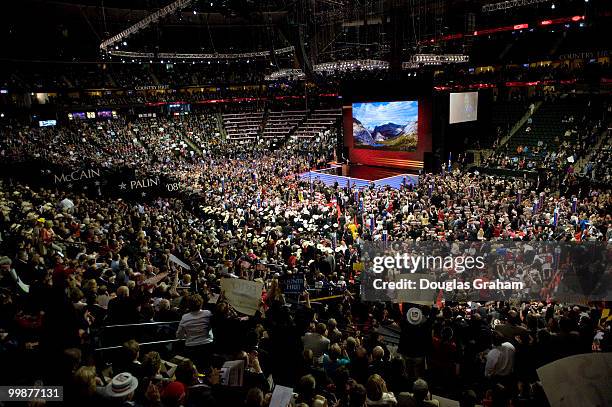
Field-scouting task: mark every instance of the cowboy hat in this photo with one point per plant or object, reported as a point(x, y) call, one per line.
point(121, 385)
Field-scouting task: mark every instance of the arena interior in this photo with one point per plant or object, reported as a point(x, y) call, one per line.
point(306, 203)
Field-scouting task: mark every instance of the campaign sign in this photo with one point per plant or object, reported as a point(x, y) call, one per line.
point(294, 284)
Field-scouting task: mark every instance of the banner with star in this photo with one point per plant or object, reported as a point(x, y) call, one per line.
point(122, 183)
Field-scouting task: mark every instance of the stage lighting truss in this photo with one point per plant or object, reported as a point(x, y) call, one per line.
point(170, 56)
point(418, 60)
point(415, 62)
point(285, 74)
point(363, 64)
point(410, 65)
point(330, 67)
point(505, 5)
point(144, 23)
point(177, 6)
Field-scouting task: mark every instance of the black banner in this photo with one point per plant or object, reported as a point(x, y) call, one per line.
point(125, 183)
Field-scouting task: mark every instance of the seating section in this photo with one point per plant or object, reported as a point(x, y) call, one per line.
point(318, 122)
point(143, 141)
point(556, 137)
point(173, 74)
point(599, 167)
point(130, 76)
point(548, 124)
point(280, 124)
point(164, 138)
point(505, 115)
point(202, 132)
point(87, 76)
point(243, 126)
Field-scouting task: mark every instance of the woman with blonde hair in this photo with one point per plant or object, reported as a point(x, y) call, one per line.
point(83, 389)
point(377, 394)
point(274, 293)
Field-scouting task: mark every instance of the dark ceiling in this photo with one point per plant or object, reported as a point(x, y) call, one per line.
point(327, 29)
point(34, 29)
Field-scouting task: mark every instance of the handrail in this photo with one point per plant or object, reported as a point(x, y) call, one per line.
point(582, 162)
point(68, 242)
point(518, 125)
point(140, 324)
point(141, 344)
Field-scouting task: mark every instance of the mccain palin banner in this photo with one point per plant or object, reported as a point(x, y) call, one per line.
point(429, 272)
point(95, 181)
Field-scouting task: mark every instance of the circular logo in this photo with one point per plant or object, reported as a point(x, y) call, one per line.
point(414, 316)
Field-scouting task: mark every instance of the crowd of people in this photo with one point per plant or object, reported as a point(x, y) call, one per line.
point(223, 78)
point(73, 265)
point(166, 242)
point(564, 150)
point(599, 164)
point(55, 76)
point(563, 72)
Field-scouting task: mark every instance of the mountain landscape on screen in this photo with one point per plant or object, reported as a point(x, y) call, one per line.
point(386, 125)
point(361, 134)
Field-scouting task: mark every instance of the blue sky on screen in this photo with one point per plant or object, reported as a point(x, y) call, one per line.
point(377, 113)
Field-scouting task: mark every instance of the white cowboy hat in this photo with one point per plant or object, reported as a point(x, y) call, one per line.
point(121, 385)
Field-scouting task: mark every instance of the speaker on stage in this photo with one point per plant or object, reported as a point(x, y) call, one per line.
point(428, 162)
point(345, 154)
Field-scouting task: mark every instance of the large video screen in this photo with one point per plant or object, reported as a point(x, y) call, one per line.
point(463, 107)
point(386, 125)
point(47, 123)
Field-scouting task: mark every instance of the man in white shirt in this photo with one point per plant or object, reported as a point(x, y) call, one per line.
point(66, 205)
point(316, 341)
point(500, 359)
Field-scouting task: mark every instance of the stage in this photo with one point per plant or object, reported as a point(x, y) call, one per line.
point(361, 176)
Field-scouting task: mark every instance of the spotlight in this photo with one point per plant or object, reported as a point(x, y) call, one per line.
point(195, 12)
point(553, 6)
point(124, 43)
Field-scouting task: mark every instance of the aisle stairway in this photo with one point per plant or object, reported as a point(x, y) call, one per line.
point(243, 126)
point(318, 122)
point(281, 124)
point(547, 123)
